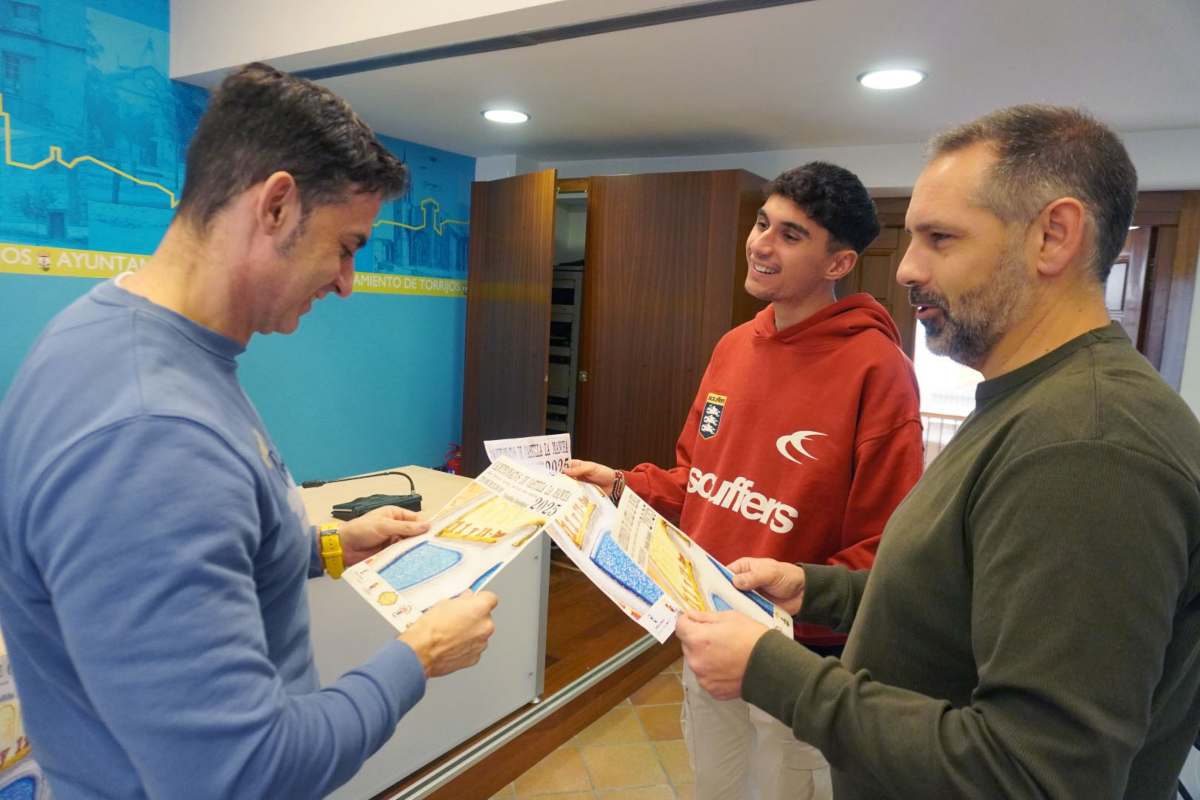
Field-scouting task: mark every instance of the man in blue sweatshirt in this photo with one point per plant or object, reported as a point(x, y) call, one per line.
point(153, 546)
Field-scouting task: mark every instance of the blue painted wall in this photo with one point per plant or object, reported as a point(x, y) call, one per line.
point(368, 382)
point(375, 380)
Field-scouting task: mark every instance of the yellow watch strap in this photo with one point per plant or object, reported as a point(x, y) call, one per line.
point(331, 550)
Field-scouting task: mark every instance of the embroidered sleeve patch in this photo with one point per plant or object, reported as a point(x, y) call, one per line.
point(710, 418)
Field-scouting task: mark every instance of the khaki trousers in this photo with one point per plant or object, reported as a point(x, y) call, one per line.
point(739, 752)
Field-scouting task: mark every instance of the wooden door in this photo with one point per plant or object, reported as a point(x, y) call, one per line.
point(1173, 219)
point(875, 274)
point(511, 267)
point(1126, 283)
point(665, 261)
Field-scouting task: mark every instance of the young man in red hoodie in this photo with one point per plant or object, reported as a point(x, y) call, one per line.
point(804, 436)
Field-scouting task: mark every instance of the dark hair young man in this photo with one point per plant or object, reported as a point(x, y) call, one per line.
point(803, 437)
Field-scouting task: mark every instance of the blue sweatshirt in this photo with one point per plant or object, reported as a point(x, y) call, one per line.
point(153, 556)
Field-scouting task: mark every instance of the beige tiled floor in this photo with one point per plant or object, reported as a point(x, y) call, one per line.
point(634, 752)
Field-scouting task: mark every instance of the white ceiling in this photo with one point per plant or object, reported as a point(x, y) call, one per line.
point(784, 78)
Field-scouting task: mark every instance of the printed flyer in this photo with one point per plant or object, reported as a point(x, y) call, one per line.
point(550, 453)
point(20, 776)
point(645, 565)
point(481, 529)
point(651, 569)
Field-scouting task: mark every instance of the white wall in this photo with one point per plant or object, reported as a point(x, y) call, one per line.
point(1189, 387)
point(209, 36)
point(1164, 160)
point(570, 232)
point(490, 168)
point(882, 168)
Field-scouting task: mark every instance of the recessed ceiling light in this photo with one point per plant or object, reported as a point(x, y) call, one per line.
point(506, 116)
point(891, 78)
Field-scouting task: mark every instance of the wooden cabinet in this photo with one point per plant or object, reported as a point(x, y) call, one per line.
point(1171, 224)
point(1126, 284)
point(510, 272)
point(664, 264)
point(1149, 290)
point(875, 274)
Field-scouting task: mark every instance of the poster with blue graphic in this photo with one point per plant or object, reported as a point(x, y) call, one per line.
point(422, 235)
point(95, 134)
point(95, 139)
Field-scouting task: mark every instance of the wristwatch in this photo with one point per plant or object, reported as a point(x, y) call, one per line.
point(331, 549)
point(617, 487)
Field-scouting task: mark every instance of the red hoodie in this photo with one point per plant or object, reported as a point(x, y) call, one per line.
point(799, 443)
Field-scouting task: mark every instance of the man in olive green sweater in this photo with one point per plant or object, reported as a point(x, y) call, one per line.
point(1031, 626)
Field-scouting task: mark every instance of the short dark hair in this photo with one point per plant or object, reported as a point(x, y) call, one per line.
point(1047, 152)
point(260, 121)
point(835, 198)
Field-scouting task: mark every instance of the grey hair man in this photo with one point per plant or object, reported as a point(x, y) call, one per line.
point(1031, 625)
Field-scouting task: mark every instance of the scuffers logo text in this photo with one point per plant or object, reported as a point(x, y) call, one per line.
point(738, 495)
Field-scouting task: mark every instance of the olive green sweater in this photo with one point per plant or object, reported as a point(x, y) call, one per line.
point(1031, 627)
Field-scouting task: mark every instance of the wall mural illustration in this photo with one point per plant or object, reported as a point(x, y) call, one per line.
point(95, 135)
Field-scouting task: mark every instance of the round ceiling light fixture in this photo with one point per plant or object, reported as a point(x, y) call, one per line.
point(505, 116)
point(886, 79)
